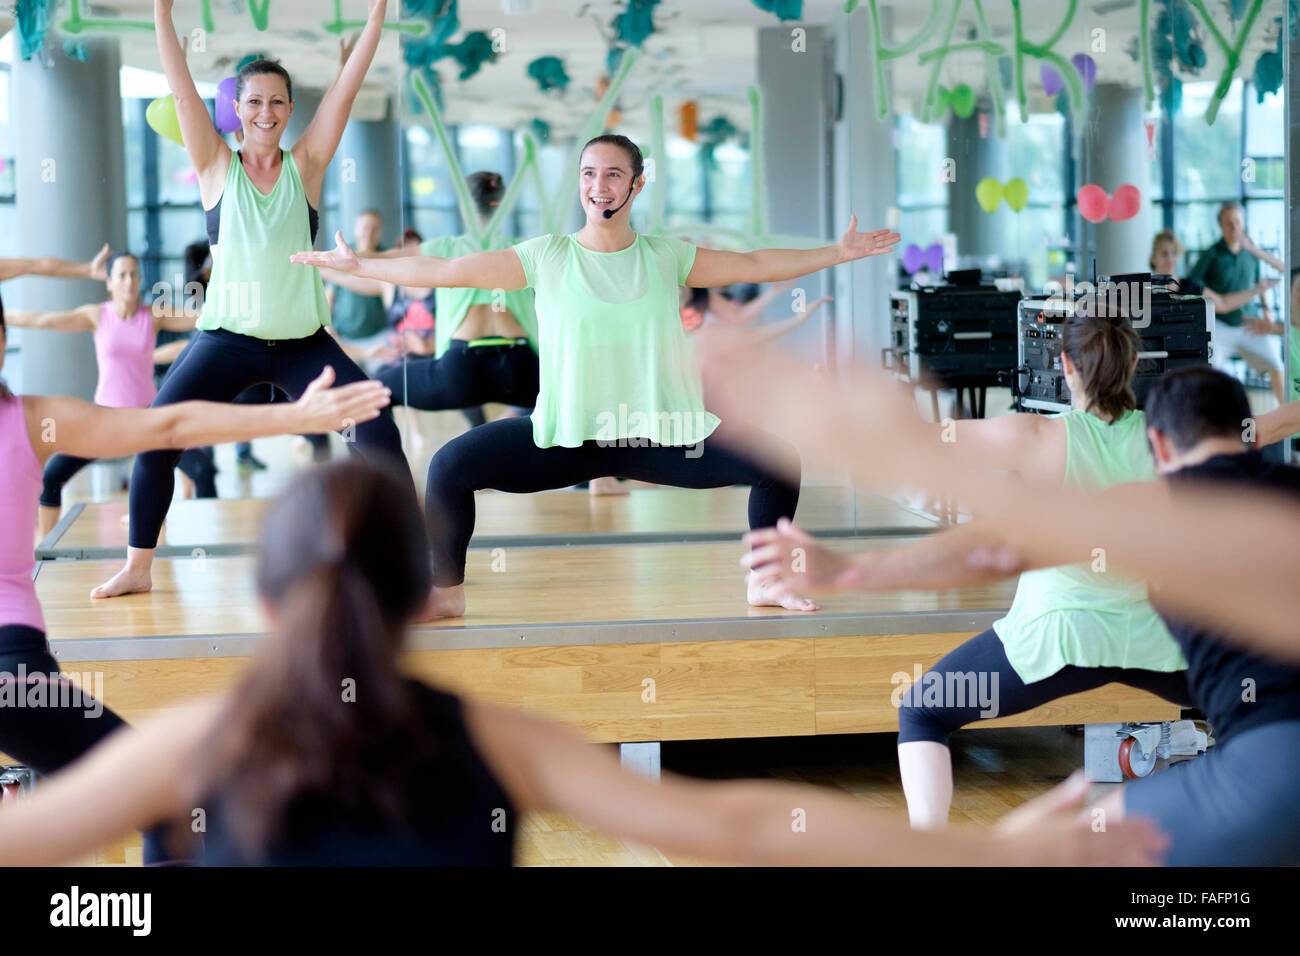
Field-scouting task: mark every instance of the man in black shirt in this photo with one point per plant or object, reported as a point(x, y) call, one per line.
point(1240, 803)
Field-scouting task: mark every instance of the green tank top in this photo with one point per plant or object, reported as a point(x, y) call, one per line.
point(616, 365)
point(254, 289)
point(1088, 615)
point(451, 305)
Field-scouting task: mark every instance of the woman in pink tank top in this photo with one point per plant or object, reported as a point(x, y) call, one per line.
point(48, 737)
point(126, 333)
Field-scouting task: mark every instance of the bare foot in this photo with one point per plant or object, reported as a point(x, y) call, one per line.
point(760, 596)
point(443, 603)
point(606, 486)
point(130, 580)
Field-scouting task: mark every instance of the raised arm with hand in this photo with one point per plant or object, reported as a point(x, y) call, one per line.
point(74, 427)
point(547, 767)
point(714, 267)
point(56, 268)
point(202, 141)
point(81, 319)
point(774, 330)
point(792, 562)
point(732, 313)
point(138, 777)
point(500, 269)
point(1175, 544)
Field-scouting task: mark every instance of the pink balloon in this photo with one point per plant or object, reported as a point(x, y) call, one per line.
point(913, 258)
point(227, 118)
point(1087, 68)
point(934, 258)
point(1093, 202)
point(1052, 81)
point(1125, 203)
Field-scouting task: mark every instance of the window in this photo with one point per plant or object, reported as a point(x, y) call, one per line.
point(430, 206)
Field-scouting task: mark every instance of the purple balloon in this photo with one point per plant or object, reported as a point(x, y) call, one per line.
point(1052, 81)
point(913, 258)
point(227, 118)
point(1087, 68)
point(934, 258)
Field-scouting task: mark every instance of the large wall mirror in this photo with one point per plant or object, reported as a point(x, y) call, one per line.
point(1020, 146)
point(1038, 147)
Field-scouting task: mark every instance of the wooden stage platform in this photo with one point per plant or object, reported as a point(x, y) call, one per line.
point(222, 527)
point(632, 643)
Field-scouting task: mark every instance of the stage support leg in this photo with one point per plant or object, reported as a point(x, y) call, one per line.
point(643, 758)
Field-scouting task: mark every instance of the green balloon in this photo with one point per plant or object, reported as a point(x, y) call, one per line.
point(988, 193)
point(161, 117)
point(942, 100)
point(1016, 193)
point(962, 100)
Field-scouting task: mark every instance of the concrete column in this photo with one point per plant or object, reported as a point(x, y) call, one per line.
point(864, 186)
point(796, 84)
point(69, 171)
point(1112, 152)
point(367, 170)
point(978, 233)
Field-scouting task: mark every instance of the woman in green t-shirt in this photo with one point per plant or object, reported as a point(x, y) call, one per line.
point(485, 340)
point(1069, 629)
point(620, 388)
point(262, 321)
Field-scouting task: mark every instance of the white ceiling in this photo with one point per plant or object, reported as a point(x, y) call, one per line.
point(702, 49)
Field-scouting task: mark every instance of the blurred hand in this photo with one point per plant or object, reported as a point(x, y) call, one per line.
point(326, 409)
point(98, 265)
point(858, 245)
point(790, 562)
point(341, 258)
point(1257, 326)
point(1050, 831)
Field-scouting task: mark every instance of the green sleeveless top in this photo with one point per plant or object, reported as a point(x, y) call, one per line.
point(451, 305)
point(254, 289)
point(1087, 615)
point(616, 365)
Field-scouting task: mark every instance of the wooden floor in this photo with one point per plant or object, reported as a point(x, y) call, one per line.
point(226, 526)
point(515, 587)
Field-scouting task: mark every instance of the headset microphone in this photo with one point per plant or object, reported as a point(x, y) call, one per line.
point(609, 213)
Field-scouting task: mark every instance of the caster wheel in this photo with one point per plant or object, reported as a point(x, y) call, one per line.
point(1131, 761)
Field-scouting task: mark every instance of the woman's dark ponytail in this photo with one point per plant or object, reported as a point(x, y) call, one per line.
point(1104, 350)
point(325, 712)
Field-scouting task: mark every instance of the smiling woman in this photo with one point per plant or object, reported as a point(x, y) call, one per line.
point(615, 354)
point(263, 323)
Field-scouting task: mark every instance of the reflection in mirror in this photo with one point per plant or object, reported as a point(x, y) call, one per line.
point(689, 94)
point(1095, 146)
point(97, 98)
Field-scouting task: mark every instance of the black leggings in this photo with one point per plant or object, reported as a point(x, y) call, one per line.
point(60, 469)
point(56, 727)
point(976, 681)
point(216, 366)
point(502, 455)
point(467, 376)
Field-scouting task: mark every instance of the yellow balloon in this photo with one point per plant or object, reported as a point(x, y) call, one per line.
point(161, 117)
point(988, 193)
point(1016, 193)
